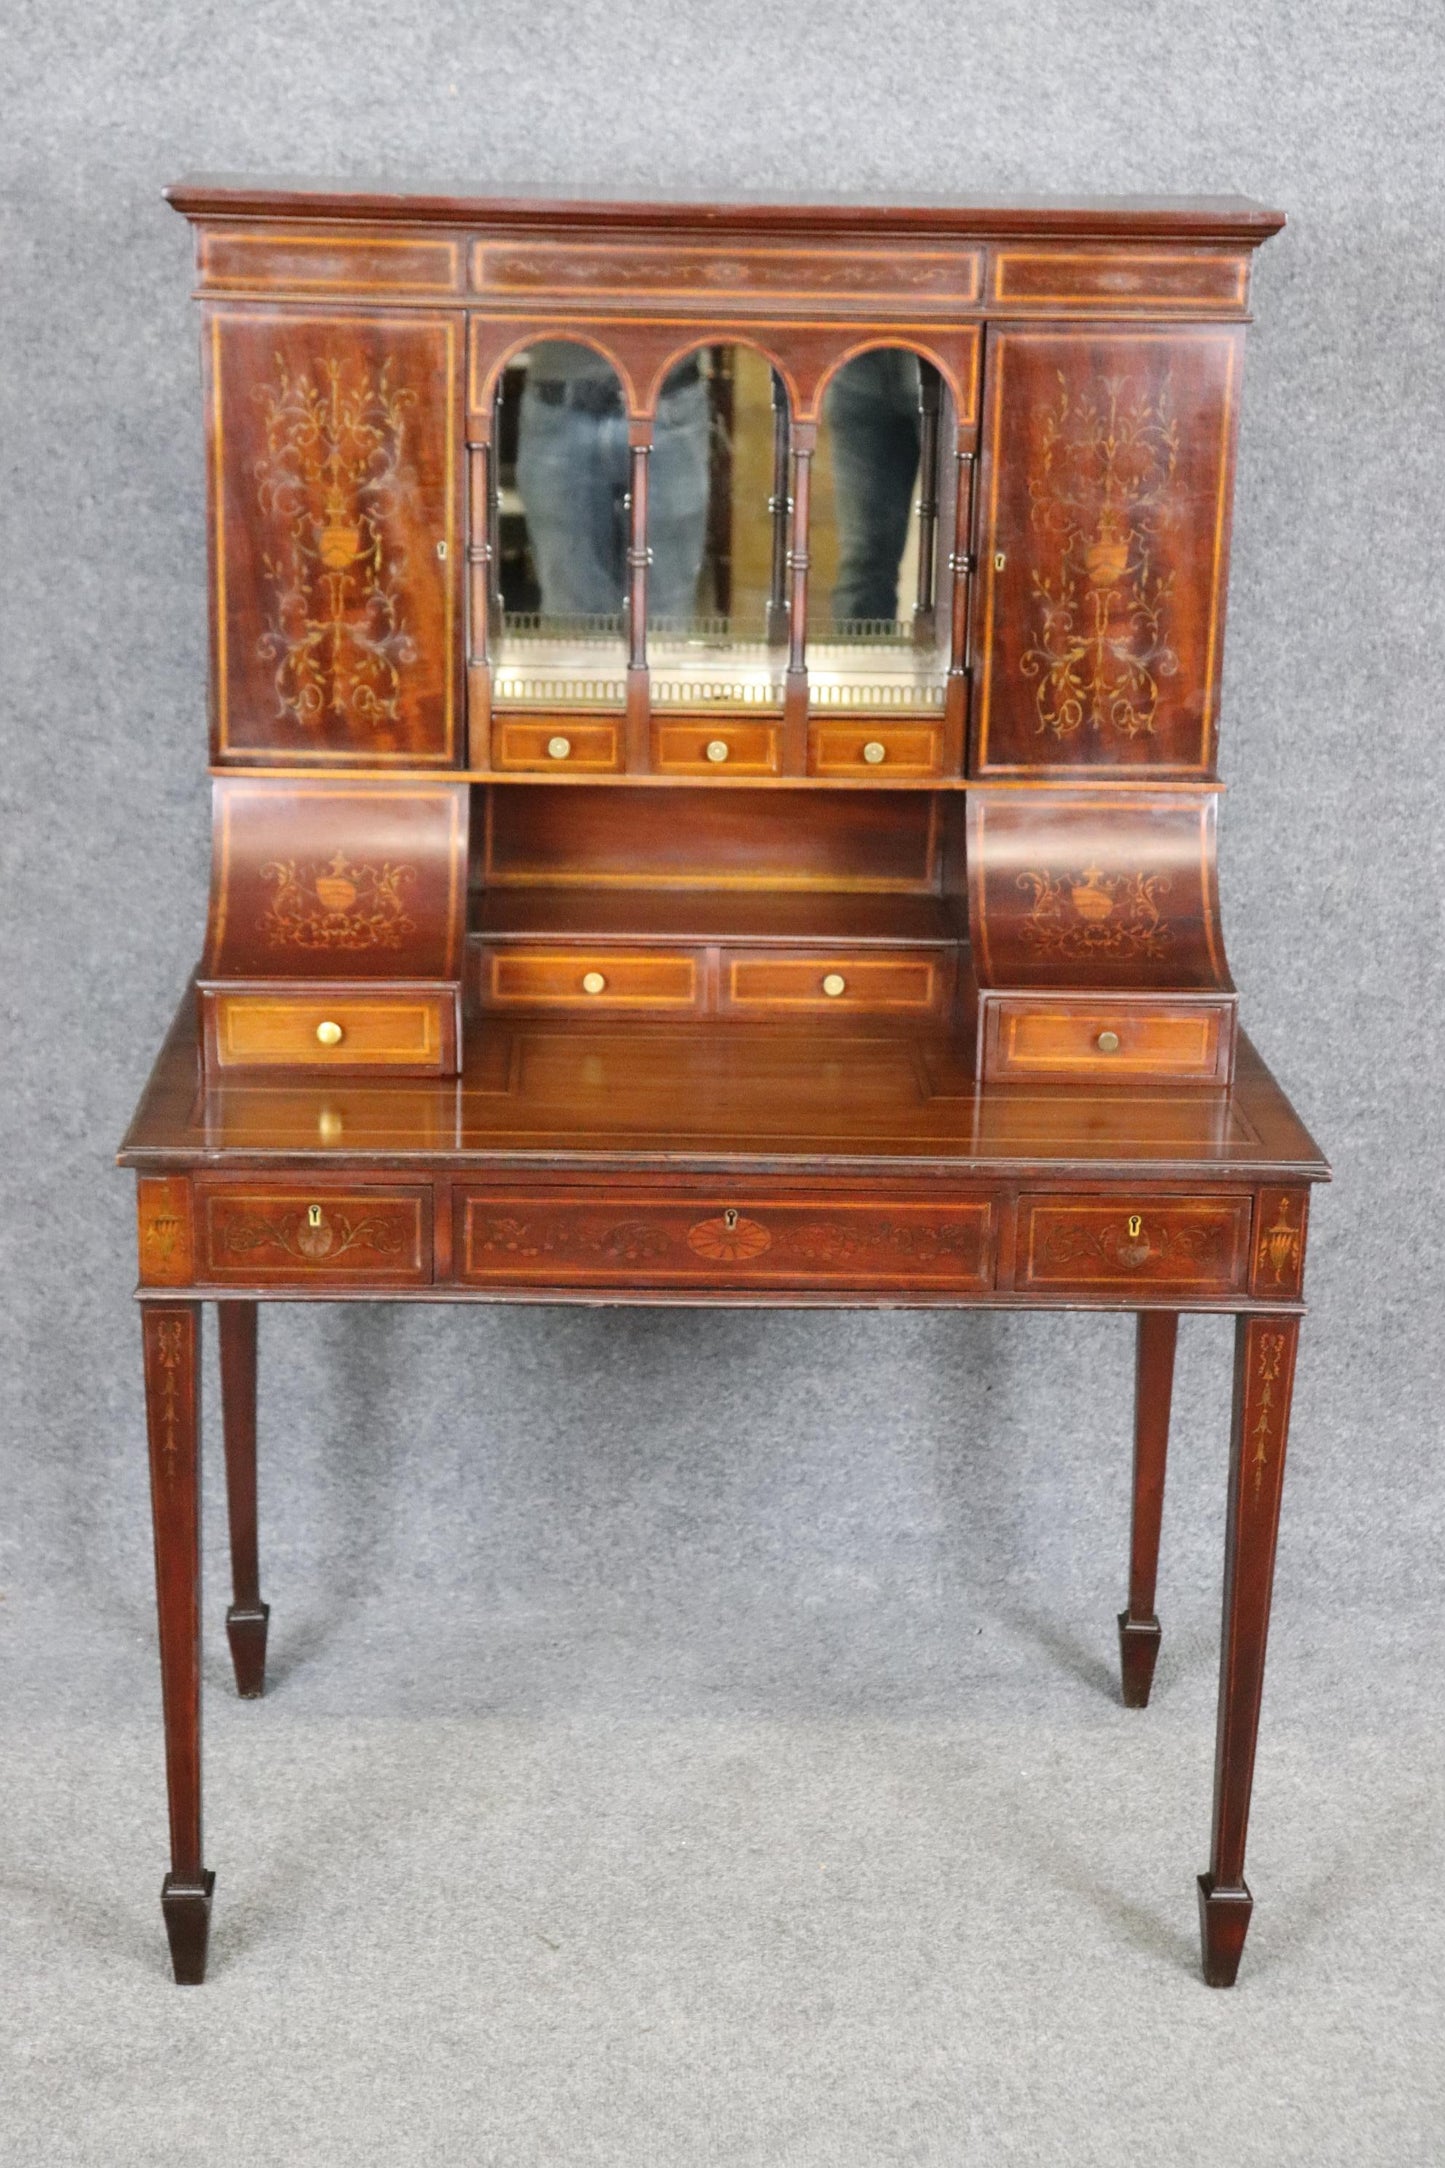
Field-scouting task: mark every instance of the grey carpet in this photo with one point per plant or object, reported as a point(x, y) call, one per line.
point(694, 1737)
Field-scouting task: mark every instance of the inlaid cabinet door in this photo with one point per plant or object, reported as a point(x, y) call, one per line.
point(334, 502)
point(1103, 547)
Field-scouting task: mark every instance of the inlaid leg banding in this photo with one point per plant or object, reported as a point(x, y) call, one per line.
point(248, 1617)
point(171, 1341)
point(1153, 1393)
point(1264, 1362)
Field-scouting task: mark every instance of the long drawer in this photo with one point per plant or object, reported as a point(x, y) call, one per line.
point(1197, 1245)
point(599, 1237)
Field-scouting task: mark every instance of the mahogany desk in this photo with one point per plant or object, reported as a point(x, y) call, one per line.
point(582, 1161)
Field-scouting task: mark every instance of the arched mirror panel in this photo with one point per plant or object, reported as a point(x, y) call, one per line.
point(716, 527)
point(559, 529)
point(881, 536)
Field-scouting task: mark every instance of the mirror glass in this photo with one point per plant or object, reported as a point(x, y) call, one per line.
point(880, 536)
point(880, 531)
point(715, 594)
point(559, 541)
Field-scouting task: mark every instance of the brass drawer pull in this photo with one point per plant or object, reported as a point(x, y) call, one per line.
point(593, 982)
point(1107, 1042)
point(835, 984)
point(330, 1034)
point(559, 748)
point(717, 750)
point(875, 752)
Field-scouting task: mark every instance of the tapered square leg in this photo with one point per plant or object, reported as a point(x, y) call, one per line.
point(248, 1617)
point(1264, 1361)
point(171, 1341)
point(1139, 1636)
point(1223, 1925)
point(186, 1904)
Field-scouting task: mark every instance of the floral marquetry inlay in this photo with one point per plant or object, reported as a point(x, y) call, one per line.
point(782, 1241)
point(316, 1236)
point(1091, 913)
point(1279, 1247)
point(169, 1345)
point(336, 479)
point(1101, 487)
point(1269, 1405)
point(337, 905)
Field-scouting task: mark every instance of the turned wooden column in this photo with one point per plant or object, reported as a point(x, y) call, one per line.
point(779, 508)
point(1158, 1336)
point(248, 1616)
point(925, 604)
point(795, 683)
point(1264, 1361)
point(480, 548)
point(639, 557)
point(171, 1340)
point(960, 566)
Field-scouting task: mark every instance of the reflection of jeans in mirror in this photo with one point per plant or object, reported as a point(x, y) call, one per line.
point(573, 475)
point(872, 413)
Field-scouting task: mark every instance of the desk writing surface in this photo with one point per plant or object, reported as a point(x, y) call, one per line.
point(626, 1093)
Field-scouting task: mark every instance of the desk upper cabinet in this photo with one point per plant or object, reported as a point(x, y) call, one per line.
point(522, 512)
point(1106, 488)
point(334, 505)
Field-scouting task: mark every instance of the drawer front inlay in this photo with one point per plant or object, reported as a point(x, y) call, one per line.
point(1189, 1043)
point(897, 982)
point(321, 1031)
point(1091, 1246)
point(584, 1238)
point(587, 979)
point(557, 748)
point(721, 749)
point(254, 1233)
point(880, 752)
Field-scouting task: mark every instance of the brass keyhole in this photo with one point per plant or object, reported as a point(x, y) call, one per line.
point(1136, 1226)
point(730, 1218)
point(313, 1215)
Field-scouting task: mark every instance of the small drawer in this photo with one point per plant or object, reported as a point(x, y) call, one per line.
point(576, 1238)
point(720, 748)
point(1173, 1245)
point(523, 977)
point(346, 1031)
point(252, 1234)
point(1097, 1040)
point(885, 753)
point(557, 748)
point(888, 982)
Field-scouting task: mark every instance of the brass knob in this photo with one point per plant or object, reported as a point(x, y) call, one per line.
point(717, 749)
point(1107, 1042)
point(875, 752)
point(593, 982)
point(558, 748)
point(330, 1034)
point(835, 984)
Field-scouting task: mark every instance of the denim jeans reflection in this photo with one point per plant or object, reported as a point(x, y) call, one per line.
point(573, 473)
point(871, 407)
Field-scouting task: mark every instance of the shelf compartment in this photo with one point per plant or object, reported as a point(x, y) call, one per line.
point(695, 917)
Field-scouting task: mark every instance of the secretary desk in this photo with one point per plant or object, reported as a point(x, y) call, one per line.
point(713, 715)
